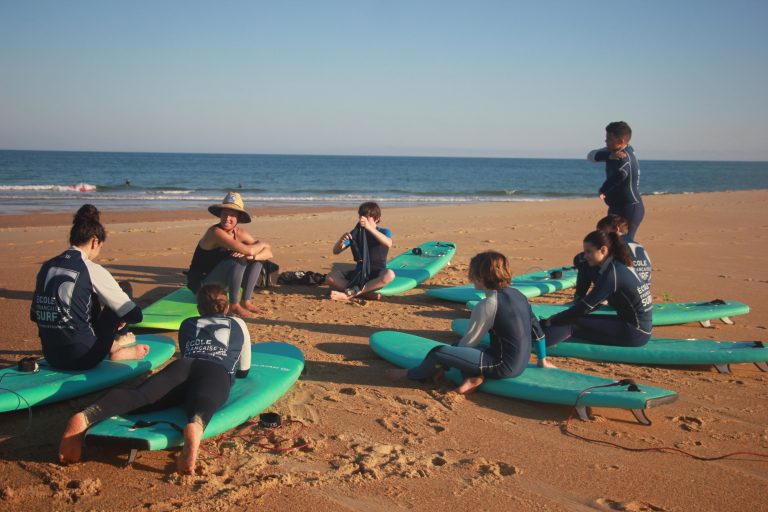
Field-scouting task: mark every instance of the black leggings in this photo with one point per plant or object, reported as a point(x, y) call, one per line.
point(86, 355)
point(598, 330)
point(202, 386)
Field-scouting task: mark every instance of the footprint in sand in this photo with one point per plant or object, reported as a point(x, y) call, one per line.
point(632, 506)
point(689, 423)
point(300, 407)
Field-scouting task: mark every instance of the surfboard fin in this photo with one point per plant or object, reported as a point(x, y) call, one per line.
point(762, 365)
point(584, 412)
point(641, 417)
point(727, 320)
point(131, 457)
point(723, 368)
point(705, 323)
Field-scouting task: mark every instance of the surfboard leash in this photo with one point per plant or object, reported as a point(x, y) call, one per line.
point(632, 386)
point(252, 433)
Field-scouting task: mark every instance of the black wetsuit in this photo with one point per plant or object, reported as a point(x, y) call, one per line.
point(629, 295)
point(587, 275)
point(77, 306)
point(622, 186)
point(214, 349)
point(507, 315)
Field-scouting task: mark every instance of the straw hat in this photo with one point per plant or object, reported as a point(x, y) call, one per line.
point(232, 201)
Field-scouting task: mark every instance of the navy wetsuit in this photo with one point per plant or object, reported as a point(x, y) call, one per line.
point(377, 253)
point(219, 266)
point(587, 275)
point(77, 306)
point(622, 186)
point(629, 295)
point(214, 350)
point(507, 315)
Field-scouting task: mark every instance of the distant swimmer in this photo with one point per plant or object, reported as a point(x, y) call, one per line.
point(128, 182)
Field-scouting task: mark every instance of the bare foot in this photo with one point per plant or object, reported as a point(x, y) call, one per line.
point(130, 352)
point(125, 340)
point(193, 434)
point(397, 374)
point(238, 310)
point(71, 445)
point(469, 385)
point(544, 363)
point(335, 295)
point(247, 304)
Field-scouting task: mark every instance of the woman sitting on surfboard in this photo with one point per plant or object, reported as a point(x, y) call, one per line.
point(229, 256)
point(78, 305)
point(215, 348)
point(621, 286)
point(505, 313)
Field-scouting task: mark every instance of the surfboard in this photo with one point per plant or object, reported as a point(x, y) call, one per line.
point(418, 264)
point(168, 312)
point(531, 285)
point(275, 367)
point(20, 390)
point(664, 351)
point(547, 385)
point(669, 313)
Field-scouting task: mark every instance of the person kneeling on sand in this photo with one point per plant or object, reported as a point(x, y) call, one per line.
point(506, 314)
point(370, 245)
point(215, 348)
point(79, 307)
point(229, 256)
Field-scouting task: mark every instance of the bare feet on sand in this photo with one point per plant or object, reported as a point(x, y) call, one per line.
point(544, 363)
point(336, 295)
point(193, 434)
point(469, 385)
point(250, 306)
point(130, 352)
point(71, 445)
point(238, 310)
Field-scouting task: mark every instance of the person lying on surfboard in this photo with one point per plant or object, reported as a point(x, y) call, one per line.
point(370, 245)
point(215, 348)
point(79, 307)
point(229, 256)
point(621, 286)
point(504, 313)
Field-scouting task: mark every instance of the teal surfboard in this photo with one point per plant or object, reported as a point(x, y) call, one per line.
point(274, 369)
point(664, 351)
point(548, 385)
point(19, 390)
point(418, 264)
point(531, 285)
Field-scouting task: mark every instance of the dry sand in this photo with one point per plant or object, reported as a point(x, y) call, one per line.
point(379, 446)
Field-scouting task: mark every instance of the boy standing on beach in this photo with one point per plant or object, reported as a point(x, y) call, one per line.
point(621, 188)
point(370, 246)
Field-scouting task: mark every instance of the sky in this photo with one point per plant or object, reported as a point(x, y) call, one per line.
point(361, 77)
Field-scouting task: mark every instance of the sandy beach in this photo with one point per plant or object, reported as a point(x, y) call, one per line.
point(379, 446)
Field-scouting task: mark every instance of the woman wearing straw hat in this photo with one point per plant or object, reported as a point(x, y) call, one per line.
point(229, 256)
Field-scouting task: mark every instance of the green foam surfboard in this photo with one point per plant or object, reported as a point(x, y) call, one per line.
point(670, 313)
point(412, 269)
point(168, 312)
point(531, 284)
point(665, 351)
point(548, 385)
point(274, 369)
point(19, 390)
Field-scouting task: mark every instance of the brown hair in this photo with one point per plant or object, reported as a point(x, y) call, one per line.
point(86, 225)
point(614, 222)
point(619, 129)
point(490, 268)
point(212, 300)
point(616, 247)
point(370, 209)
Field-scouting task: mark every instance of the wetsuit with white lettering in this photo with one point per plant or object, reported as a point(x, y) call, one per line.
point(215, 350)
point(629, 295)
point(621, 186)
point(586, 275)
point(77, 306)
point(507, 316)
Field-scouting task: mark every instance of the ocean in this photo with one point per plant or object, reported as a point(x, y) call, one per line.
point(63, 180)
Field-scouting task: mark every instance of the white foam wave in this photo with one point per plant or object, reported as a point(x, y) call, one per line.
point(77, 187)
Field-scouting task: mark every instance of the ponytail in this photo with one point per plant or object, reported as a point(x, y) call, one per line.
point(86, 224)
point(616, 246)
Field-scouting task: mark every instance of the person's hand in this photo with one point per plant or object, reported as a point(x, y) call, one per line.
point(236, 254)
point(121, 326)
point(602, 196)
point(619, 154)
point(368, 223)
